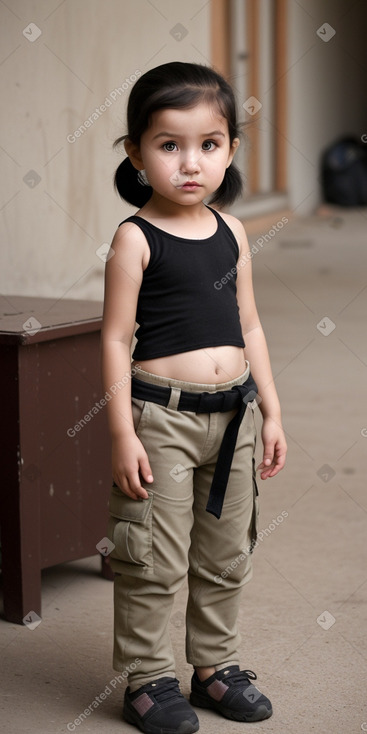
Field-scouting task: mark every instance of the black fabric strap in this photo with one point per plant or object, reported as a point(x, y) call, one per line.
point(226, 452)
point(219, 402)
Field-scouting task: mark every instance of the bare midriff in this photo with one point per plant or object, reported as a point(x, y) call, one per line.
point(211, 365)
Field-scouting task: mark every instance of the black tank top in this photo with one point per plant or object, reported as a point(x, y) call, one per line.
point(187, 298)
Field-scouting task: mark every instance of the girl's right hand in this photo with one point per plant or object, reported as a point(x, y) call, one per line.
point(129, 463)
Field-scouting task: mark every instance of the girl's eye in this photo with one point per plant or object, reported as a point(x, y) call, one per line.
point(170, 147)
point(208, 145)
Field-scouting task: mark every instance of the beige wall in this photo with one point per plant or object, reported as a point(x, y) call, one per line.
point(326, 88)
point(87, 49)
point(50, 231)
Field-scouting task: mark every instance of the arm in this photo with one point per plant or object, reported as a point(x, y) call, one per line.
point(123, 277)
point(256, 352)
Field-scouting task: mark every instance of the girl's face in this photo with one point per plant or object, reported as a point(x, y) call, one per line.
point(185, 153)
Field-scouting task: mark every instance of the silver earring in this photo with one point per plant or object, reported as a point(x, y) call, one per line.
point(142, 178)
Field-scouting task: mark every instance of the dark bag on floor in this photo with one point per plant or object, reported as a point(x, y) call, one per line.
point(344, 173)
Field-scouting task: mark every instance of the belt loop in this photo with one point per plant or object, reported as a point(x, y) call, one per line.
point(174, 398)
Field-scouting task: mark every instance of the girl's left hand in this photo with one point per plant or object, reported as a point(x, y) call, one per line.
point(275, 448)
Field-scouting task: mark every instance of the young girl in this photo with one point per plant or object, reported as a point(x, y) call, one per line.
point(184, 497)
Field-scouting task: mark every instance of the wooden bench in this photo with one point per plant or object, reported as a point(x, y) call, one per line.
point(56, 472)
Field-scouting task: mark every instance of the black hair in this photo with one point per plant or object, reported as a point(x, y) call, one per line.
point(176, 85)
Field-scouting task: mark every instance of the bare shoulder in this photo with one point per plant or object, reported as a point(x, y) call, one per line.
point(238, 230)
point(130, 241)
point(129, 233)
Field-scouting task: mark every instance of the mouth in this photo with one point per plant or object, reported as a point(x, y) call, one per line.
point(191, 185)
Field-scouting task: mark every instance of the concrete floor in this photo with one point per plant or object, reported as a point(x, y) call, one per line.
point(303, 617)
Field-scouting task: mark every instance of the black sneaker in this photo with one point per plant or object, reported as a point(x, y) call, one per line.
point(160, 708)
point(231, 693)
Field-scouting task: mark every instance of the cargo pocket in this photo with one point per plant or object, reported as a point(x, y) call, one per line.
point(130, 530)
point(255, 508)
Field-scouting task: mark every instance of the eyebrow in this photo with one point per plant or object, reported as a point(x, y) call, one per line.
point(174, 135)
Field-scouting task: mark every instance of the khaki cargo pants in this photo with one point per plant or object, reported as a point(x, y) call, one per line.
point(169, 536)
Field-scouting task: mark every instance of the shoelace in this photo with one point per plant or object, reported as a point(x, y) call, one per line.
point(238, 676)
point(170, 689)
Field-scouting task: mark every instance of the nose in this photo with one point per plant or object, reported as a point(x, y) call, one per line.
point(190, 162)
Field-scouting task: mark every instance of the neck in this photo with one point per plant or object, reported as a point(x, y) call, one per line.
point(161, 208)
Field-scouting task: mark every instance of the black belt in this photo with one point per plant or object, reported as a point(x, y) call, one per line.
point(205, 402)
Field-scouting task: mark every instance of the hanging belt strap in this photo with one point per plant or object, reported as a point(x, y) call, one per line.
point(218, 402)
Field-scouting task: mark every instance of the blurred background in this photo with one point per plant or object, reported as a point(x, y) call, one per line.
point(298, 69)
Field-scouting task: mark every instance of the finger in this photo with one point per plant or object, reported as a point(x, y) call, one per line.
point(132, 487)
point(268, 456)
point(279, 463)
point(263, 472)
point(135, 486)
point(276, 465)
point(145, 469)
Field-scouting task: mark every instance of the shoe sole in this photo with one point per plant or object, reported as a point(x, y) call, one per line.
point(261, 713)
point(186, 727)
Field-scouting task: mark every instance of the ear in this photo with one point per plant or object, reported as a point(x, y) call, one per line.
point(133, 151)
point(232, 150)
